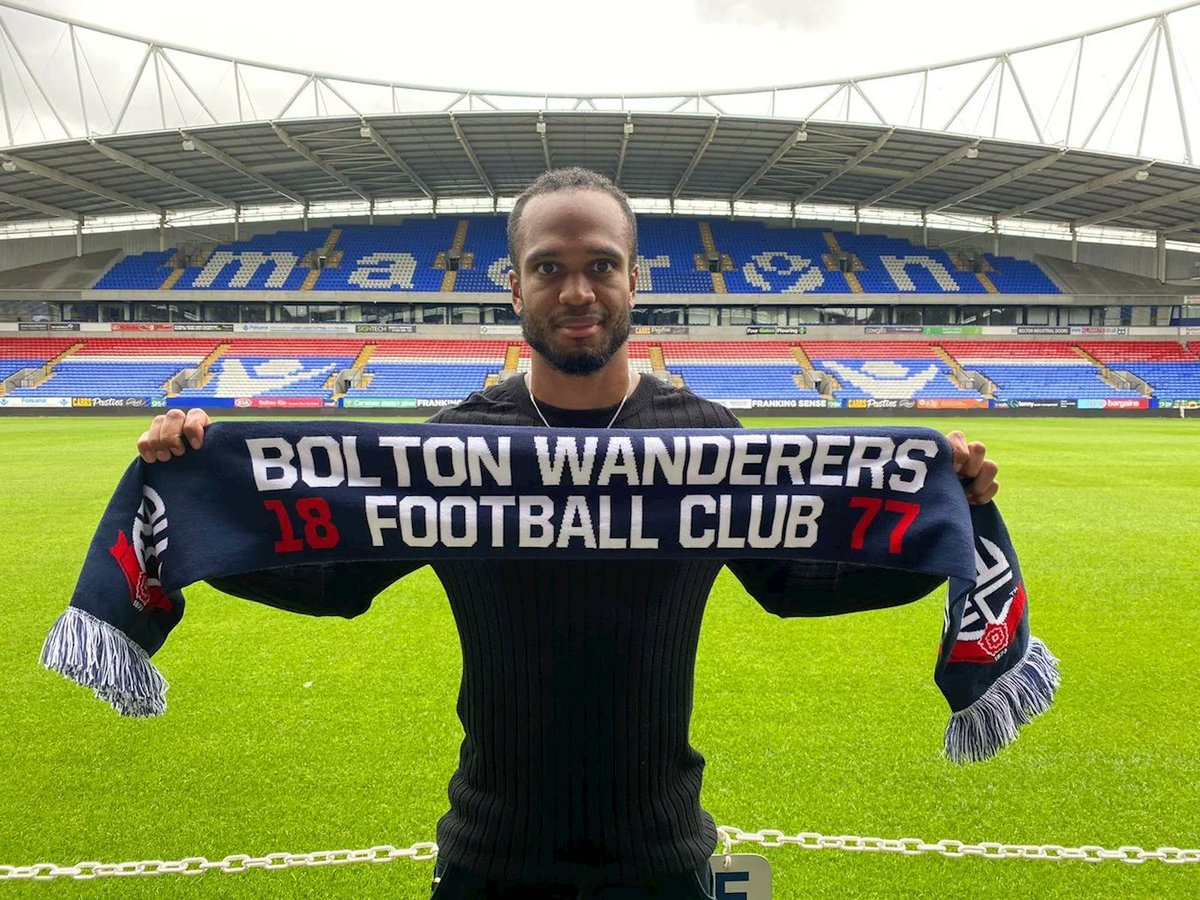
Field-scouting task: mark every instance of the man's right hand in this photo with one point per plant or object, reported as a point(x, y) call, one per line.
point(166, 434)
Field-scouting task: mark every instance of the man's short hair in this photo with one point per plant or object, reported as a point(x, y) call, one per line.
point(570, 179)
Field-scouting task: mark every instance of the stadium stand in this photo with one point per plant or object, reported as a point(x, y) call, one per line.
point(487, 245)
point(17, 355)
point(1028, 370)
point(120, 367)
point(328, 369)
point(674, 252)
point(894, 264)
point(1167, 367)
point(276, 368)
point(765, 370)
point(1019, 276)
point(642, 358)
point(879, 370)
point(429, 369)
point(389, 257)
point(265, 261)
point(776, 260)
point(667, 251)
point(139, 272)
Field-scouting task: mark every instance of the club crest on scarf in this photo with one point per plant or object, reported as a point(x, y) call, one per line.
point(993, 610)
point(140, 561)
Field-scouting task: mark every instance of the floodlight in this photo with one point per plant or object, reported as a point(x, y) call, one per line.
point(1141, 175)
point(628, 129)
point(972, 152)
point(189, 144)
point(364, 130)
point(8, 165)
point(801, 136)
point(541, 127)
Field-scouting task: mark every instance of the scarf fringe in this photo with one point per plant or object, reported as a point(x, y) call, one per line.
point(94, 654)
point(991, 723)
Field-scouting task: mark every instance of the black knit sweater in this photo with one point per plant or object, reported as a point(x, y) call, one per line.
point(577, 681)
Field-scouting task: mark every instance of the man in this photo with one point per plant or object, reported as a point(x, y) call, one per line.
point(576, 778)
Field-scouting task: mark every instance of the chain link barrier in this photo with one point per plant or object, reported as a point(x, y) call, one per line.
point(811, 840)
point(730, 837)
point(237, 862)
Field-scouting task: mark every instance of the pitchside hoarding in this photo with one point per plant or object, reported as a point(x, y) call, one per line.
point(386, 403)
point(776, 329)
point(805, 403)
point(109, 402)
point(1043, 404)
point(189, 402)
point(385, 329)
point(1116, 403)
point(643, 330)
point(281, 402)
point(34, 402)
point(950, 403)
point(954, 403)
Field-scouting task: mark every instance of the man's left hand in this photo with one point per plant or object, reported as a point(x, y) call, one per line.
point(977, 471)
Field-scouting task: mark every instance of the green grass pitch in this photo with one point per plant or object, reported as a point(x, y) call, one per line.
point(286, 733)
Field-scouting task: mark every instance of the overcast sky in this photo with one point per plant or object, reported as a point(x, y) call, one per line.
point(615, 45)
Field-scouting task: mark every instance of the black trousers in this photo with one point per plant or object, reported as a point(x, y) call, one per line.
point(453, 883)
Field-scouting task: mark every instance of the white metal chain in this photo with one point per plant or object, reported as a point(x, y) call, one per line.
point(810, 840)
point(730, 838)
point(198, 865)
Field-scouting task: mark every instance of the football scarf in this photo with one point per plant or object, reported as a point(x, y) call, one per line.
point(263, 495)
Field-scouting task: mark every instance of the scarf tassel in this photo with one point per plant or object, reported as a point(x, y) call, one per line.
point(991, 723)
point(97, 655)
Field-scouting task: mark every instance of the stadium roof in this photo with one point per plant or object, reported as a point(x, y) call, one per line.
point(675, 147)
point(452, 155)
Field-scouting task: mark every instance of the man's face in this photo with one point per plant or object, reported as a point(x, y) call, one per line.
point(575, 283)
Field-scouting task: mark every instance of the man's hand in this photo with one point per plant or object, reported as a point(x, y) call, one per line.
point(973, 466)
point(164, 438)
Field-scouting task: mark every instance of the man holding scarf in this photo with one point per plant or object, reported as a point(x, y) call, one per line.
point(576, 778)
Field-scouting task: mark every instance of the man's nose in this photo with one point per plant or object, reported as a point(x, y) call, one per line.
point(577, 290)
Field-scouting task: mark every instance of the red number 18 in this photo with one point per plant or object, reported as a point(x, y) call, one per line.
point(319, 531)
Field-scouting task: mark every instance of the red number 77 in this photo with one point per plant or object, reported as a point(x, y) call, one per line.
point(871, 507)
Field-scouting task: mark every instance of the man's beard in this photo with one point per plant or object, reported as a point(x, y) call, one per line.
point(580, 360)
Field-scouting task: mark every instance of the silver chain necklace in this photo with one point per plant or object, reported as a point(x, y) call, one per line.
point(542, 416)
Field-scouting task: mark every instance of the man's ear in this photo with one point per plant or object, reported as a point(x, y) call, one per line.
point(514, 286)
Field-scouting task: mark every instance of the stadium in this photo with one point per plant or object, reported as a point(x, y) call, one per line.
point(1007, 244)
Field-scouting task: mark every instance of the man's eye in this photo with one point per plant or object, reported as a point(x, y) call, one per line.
point(604, 266)
point(546, 268)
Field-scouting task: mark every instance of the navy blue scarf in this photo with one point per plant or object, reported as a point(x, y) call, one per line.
point(270, 494)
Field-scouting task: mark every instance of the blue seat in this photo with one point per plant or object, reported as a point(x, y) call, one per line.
point(767, 259)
